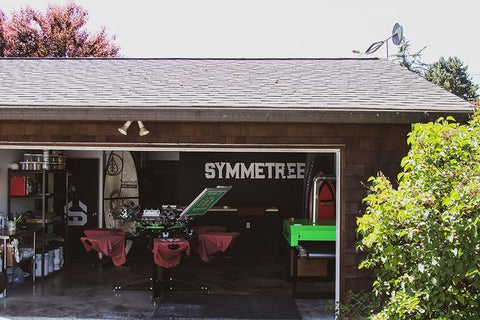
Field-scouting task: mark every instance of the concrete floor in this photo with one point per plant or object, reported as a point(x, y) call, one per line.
point(85, 291)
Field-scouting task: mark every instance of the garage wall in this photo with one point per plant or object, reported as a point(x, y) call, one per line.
point(6, 158)
point(276, 190)
point(366, 149)
point(92, 155)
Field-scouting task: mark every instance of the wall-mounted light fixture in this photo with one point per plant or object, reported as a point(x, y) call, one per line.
point(143, 130)
point(123, 129)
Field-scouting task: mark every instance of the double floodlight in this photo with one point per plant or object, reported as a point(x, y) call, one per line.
point(143, 130)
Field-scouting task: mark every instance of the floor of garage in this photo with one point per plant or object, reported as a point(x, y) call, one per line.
point(84, 290)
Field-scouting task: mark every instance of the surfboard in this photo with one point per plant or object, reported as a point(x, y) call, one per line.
point(120, 187)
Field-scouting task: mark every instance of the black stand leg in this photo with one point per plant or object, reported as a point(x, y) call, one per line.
point(176, 284)
point(161, 282)
point(295, 273)
point(164, 283)
point(145, 284)
point(150, 284)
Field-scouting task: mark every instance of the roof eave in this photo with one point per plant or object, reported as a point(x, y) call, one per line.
point(228, 114)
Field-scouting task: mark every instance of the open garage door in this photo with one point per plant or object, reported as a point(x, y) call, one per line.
point(264, 181)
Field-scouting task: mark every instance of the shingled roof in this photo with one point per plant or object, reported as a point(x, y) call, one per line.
point(280, 90)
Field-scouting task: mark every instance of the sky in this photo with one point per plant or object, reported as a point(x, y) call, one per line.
point(281, 28)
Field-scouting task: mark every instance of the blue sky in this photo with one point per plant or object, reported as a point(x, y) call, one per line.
point(264, 28)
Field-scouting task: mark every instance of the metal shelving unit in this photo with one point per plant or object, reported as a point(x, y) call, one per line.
point(48, 195)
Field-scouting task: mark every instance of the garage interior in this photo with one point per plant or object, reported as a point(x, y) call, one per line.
point(254, 271)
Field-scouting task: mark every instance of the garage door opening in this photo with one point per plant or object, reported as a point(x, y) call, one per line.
point(268, 188)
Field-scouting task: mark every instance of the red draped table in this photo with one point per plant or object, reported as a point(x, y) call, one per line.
point(208, 228)
point(109, 242)
point(210, 243)
point(167, 252)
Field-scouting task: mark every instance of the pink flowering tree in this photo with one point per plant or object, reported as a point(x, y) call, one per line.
point(60, 32)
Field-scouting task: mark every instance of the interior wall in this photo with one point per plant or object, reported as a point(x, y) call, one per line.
point(7, 157)
point(163, 155)
point(259, 180)
point(85, 154)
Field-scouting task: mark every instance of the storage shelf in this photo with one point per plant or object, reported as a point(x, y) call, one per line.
point(45, 180)
point(39, 224)
point(12, 172)
point(31, 196)
point(39, 196)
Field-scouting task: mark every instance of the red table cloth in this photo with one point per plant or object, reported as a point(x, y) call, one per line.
point(206, 229)
point(109, 242)
point(167, 252)
point(212, 242)
point(93, 232)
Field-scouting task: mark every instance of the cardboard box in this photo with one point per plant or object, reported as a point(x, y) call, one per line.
point(309, 267)
point(10, 259)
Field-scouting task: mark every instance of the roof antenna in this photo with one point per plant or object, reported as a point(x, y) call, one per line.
point(397, 36)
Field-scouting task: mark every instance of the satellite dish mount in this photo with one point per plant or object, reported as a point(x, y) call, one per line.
point(397, 36)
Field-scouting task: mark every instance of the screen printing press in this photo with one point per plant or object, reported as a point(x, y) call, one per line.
point(169, 217)
point(312, 249)
point(169, 234)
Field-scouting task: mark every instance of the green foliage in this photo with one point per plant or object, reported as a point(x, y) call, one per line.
point(422, 237)
point(410, 60)
point(356, 306)
point(452, 75)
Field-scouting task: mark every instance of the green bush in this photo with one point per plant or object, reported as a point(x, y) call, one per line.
point(357, 306)
point(422, 237)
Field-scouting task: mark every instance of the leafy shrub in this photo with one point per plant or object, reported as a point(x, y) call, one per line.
point(422, 237)
point(357, 306)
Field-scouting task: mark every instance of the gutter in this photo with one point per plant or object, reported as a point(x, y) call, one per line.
point(284, 114)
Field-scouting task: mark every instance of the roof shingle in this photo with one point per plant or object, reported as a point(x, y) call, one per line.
point(207, 89)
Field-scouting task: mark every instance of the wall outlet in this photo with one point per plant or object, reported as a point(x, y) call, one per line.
point(247, 225)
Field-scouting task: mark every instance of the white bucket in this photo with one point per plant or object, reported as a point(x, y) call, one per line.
point(51, 256)
point(62, 260)
point(38, 264)
point(57, 261)
point(46, 257)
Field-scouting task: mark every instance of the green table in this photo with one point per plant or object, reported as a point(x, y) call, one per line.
point(304, 230)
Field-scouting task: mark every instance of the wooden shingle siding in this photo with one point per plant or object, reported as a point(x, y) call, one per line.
point(367, 149)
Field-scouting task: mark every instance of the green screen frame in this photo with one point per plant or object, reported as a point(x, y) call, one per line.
point(204, 201)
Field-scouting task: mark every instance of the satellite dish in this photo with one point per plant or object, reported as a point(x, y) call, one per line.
point(397, 34)
point(374, 47)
